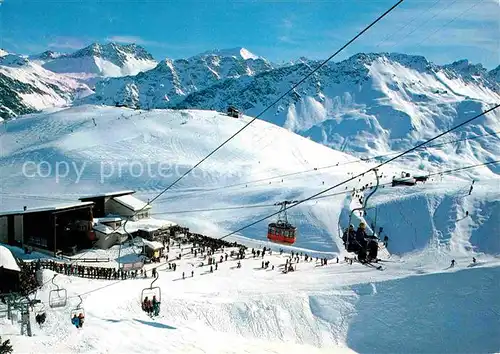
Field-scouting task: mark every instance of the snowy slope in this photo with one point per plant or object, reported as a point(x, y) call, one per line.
point(369, 104)
point(165, 143)
point(316, 309)
point(99, 60)
point(26, 87)
point(172, 80)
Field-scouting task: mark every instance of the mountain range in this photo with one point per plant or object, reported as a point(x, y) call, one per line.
point(370, 103)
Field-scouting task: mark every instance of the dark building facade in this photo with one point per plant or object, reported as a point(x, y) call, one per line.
point(61, 228)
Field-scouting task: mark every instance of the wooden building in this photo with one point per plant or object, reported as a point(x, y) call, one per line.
point(61, 228)
point(118, 203)
point(153, 249)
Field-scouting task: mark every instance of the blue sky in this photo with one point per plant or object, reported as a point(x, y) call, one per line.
point(280, 30)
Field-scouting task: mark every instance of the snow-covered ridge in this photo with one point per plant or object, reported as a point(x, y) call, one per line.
point(172, 80)
point(27, 87)
point(240, 53)
point(99, 60)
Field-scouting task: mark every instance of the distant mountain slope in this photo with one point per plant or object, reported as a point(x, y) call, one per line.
point(99, 60)
point(370, 103)
point(172, 80)
point(26, 87)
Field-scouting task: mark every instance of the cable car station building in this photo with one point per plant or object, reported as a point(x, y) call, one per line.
point(58, 229)
point(121, 203)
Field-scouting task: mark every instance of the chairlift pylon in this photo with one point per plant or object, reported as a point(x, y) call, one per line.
point(58, 297)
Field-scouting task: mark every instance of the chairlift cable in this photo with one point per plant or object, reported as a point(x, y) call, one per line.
point(277, 100)
point(315, 169)
point(319, 197)
point(371, 169)
point(265, 110)
point(255, 206)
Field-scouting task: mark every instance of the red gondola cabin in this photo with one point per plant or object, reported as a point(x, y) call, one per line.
point(281, 233)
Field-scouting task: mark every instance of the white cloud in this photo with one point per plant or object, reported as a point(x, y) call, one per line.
point(287, 23)
point(134, 40)
point(68, 43)
point(286, 39)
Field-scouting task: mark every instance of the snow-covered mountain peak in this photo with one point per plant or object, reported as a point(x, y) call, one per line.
point(113, 52)
point(238, 52)
point(26, 87)
point(13, 60)
point(47, 55)
point(3, 52)
point(102, 60)
point(465, 68)
point(172, 80)
point(494, 75)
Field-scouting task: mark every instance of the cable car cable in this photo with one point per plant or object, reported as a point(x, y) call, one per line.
point(319, 197)
point(371, 169)
point(278, 99)
point(255, 206)
point(362, 160)
point(264, 110)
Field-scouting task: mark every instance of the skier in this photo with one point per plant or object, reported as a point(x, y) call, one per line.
point(474, 260)
point(183, 275)
point(452, 263)
point(75, 321)
point(81, 319)
point(156, 306)
point(40, 318)
point(145, 304)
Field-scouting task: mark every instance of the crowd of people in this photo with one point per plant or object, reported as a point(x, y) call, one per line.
point(85, 271)
point(201, 244)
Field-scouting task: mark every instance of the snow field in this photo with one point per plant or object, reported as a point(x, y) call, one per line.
point(233, 310)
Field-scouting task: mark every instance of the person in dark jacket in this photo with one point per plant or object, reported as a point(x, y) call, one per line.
point(361, 234)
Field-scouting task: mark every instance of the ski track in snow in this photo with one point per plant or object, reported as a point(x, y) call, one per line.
point(417, 304)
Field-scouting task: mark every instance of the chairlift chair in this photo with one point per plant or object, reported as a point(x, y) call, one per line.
point(351, 244)
point(78, 310)
point(58, 297)
point(151, 291)
point(39, 310)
